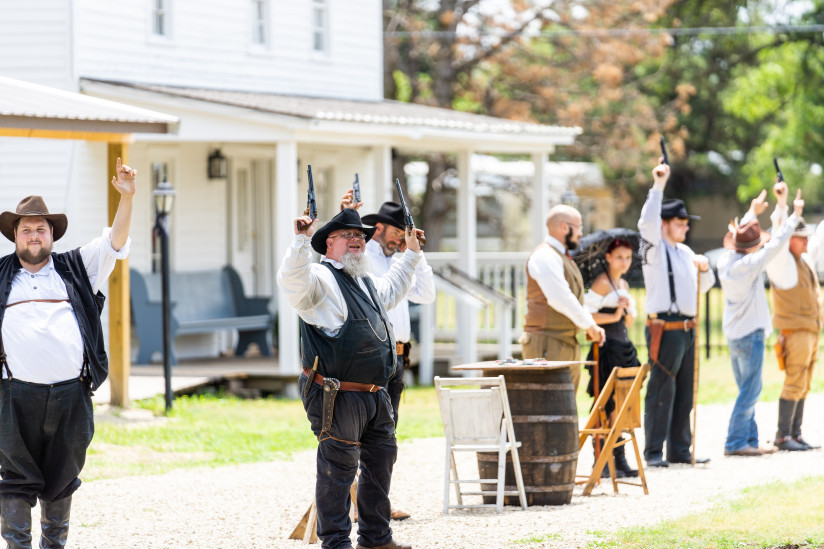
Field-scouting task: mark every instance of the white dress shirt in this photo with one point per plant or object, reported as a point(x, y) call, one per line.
point(422, 289)
point(42, 340)
point(656, 277)
point(742, 279)
point(782, 271)
point(314, 292)
point(547, 268)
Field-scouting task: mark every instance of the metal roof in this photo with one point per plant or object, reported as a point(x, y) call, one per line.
point(379, 112)
point(24, 105)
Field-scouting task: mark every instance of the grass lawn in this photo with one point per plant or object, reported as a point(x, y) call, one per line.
point(773, 515)
point(215, 430)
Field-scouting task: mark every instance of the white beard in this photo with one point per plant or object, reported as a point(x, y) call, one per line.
point(355, 265)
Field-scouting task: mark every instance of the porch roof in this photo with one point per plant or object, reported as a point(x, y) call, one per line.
point(28, 109)
point(370, 116)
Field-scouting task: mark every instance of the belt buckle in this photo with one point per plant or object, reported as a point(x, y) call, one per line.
point(373, 389)
point(686, 328)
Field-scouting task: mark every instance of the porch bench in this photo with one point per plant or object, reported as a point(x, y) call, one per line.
point(201, 302)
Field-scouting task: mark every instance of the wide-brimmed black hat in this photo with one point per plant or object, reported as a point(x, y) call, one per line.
point(390, 213)
point(673, 207)
point(33, 206)
point(347, 219)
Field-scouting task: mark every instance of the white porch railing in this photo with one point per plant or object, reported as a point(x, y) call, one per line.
point(502, 271)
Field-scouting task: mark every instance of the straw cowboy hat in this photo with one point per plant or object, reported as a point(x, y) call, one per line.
point(802, 229)
point(347, 219)
point(32, 206)
point(745, 238)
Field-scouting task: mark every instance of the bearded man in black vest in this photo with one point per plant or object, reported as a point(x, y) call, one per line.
point(348, 356)
point(52, 357)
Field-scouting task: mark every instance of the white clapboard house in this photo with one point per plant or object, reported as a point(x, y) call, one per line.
point(271, 86)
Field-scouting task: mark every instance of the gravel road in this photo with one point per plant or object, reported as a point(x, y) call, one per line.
point(258, 505)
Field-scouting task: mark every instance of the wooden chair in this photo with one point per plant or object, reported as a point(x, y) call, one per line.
point(478, 420)
point(625, 385)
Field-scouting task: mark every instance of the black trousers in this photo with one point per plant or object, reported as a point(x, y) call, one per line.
point(45, 431)
point(365, 418)
point(668, 402)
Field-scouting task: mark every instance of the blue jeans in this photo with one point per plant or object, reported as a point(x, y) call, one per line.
point(747, 356)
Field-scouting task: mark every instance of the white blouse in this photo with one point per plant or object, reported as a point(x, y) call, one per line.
point(594, 302)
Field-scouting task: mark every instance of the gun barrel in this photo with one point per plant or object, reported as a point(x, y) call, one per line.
point(664, 150)
point(778, 174)
point(311, 204)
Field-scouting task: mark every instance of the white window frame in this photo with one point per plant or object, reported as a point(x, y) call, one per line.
point(322, 30)
point(166, 9)
point(260, 22)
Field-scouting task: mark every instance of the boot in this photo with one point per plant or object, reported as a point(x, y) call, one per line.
point(54, 523)
point(783, 437)
point(15, 522)
point(605, 471)
point(621, 461)
point(796, 431)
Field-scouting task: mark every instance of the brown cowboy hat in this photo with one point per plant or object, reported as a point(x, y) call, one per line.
point(745, 238)
point(32, 206)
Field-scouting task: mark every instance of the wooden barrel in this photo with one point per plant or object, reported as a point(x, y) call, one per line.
point(546, 424)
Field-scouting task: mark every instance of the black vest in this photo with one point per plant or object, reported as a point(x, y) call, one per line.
point(363, 350)
point(86, 305)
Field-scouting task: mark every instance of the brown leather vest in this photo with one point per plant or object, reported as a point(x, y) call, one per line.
point(540, 317)
point(799, 308)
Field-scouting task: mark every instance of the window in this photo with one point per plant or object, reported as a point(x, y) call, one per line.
point(160, 18)
point(320, 26)
point(260, 22)
point(160, 172)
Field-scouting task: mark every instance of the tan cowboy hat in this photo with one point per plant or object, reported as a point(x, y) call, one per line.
point(32, 206)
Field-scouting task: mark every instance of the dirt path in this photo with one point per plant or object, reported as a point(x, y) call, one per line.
point(257, 506)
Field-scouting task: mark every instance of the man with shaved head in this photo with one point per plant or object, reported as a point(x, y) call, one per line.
point(555, 295)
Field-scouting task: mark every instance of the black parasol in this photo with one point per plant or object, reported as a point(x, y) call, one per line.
point(590, 255)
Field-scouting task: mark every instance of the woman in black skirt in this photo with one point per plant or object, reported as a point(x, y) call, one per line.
point(613, 308)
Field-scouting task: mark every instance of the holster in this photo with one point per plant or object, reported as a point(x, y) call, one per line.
point(331, 386)
point(656, 331)
point(780, 347)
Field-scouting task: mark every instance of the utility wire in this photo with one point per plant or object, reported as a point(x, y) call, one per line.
point(683, 31)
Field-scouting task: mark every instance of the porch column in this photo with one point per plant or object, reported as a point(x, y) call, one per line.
point(286, 210)
point(540, 198)
point(467, 262)
point(118, 298)
point(383, 188)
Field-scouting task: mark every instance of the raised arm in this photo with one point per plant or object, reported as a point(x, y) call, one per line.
point(124, 182)
point(649, 225)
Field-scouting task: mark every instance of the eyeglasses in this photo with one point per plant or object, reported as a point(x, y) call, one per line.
point(349, 236)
